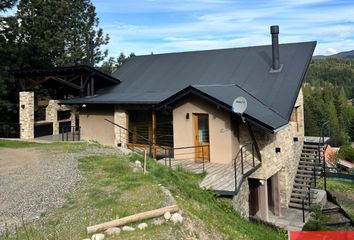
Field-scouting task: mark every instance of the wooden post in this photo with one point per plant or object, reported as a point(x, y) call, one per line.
point(144, 170)
point(154, 134)
point(133, 218)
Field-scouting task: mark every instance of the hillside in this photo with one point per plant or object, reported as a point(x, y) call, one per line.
point(348, 55)
point(111, 190)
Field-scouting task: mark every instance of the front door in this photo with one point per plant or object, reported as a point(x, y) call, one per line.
point(201, 137)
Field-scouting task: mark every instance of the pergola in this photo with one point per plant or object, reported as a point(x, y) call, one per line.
point(80, 80)
point(60, 83)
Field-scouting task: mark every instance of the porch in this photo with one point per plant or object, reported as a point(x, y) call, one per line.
point(225, 179)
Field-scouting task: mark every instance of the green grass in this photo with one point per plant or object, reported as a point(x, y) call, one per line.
point(344, 193)
point(16, 144)
point(112, 190)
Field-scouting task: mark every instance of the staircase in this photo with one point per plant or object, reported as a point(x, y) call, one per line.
point(310, 167)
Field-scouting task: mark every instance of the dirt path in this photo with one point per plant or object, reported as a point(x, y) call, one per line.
point(32, 182)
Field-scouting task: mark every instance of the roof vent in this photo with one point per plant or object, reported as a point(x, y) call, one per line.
point(276, 66)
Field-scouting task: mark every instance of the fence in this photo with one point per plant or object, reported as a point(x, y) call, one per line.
point(70, 133)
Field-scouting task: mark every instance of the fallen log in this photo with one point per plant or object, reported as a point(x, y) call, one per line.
point(132, 218)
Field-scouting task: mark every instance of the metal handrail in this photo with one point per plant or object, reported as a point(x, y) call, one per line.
point(321, 144)
point(167, 150)
point(240, 154)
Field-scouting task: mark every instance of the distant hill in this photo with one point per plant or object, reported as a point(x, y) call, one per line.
point(349, 55)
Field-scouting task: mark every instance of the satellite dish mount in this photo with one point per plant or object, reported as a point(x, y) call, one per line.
point(239, 106)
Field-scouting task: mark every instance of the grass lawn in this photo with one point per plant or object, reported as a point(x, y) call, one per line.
point(344, 193)
point(111, 190)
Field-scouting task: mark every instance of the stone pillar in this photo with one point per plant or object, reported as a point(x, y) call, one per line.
point(73, 117)
point(276, 194)
point(27, 115)
point(263, 200)
point(120, 135)
point(51, 115)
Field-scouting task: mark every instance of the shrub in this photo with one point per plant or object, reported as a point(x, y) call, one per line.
point(347, 152)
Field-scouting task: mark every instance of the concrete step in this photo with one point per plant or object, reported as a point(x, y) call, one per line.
point(311, 146)
point(311, 159)
point(302, 180)
point(299, 175)
point(302, 171)
point(299, 200)
point(298, 206)
point(301, 185)
point(308, 163)
point(302, 194)
point(330, 210)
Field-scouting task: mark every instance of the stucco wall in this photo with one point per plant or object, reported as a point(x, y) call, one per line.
point(223, 143)
point(93, 125)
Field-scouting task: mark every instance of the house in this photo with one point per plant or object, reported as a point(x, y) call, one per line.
point(183, 102)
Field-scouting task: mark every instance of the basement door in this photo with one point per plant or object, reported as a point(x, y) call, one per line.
point(201, 136)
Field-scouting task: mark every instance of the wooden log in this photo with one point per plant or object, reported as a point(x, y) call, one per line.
point(132, 218)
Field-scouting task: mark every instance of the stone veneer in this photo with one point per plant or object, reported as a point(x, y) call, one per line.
point(27, 115)
point(120, 118)
point(51, 113)
point(285, 162)
point(240, 201)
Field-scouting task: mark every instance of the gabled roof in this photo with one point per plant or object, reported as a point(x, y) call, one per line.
point(220, 75)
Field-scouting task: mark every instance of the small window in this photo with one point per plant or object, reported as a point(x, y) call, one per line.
point(295, 117)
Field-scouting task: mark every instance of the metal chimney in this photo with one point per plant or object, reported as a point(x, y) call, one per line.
point(274, 30)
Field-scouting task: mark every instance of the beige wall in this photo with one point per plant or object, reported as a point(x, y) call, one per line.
point(93, 125)
point(223, 143)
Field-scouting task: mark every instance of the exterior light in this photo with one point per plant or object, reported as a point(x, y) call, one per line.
point(83, 105)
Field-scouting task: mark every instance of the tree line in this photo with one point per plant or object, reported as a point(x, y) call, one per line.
point(328, 93)
point(45, 34)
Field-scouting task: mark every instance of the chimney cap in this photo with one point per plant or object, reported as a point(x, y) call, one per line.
point(274, 29)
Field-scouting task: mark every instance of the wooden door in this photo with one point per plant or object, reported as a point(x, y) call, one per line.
point(201, 137)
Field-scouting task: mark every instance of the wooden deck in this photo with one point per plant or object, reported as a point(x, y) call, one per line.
point(220, 177)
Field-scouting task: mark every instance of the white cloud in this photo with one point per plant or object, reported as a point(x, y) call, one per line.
point(331, 51)
point(222, 24)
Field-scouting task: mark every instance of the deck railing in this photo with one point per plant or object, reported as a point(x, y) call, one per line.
point(166, 153)
point(244, 164)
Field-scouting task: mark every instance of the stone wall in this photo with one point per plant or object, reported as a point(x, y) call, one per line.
point(51, 113)
point(241, 202)
point(120, 135)
point(27, 115)
point(286, 161)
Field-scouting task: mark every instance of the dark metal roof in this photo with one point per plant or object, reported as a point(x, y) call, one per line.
point(63, 71)
point(221, 75)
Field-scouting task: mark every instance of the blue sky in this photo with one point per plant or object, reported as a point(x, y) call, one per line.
point(145, 26)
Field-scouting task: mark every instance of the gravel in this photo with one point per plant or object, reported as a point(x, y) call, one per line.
point(37, 184)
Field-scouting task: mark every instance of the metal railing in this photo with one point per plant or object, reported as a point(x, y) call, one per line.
point(321, 159)
point(70, 133)
point(166, 153)
point(10, 130)
point(244, 163)
point(196, 153)
point(304, 198)
point(321, 144)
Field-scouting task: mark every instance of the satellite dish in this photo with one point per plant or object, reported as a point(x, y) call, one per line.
point(239, 105)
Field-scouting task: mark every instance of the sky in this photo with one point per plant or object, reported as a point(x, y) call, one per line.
point(159, 26)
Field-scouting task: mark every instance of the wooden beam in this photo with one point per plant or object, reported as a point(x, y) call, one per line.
point(133, 218)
